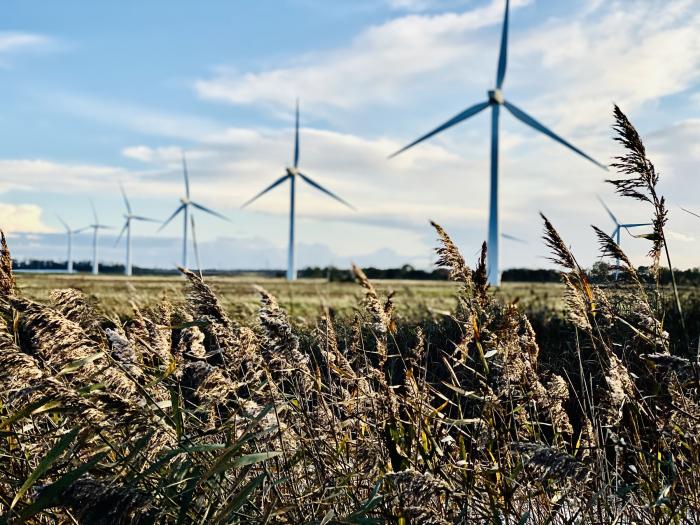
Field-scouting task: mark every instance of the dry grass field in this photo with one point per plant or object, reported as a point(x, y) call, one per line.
point(305, 299)
point(183, 401)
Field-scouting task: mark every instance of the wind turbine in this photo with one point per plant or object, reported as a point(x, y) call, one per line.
point(69, 234)
point(495, 101)
point(96, 227)
point(186, 205)
point(618, 227)
point(291, 174)
point(129, 216)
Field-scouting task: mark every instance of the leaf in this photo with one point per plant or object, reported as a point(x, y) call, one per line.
point(73, 366)
point(46, 463)
point(239, 499)
point(251, 459)
point(50, 494)
point(225, 462)
point(177, 411)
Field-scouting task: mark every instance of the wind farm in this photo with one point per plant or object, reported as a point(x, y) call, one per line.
point(445, 336)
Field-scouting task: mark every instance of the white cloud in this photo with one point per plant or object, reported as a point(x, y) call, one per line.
point(630, 52)
point(374, 68)
point(47, 176)
point(15, 42)
point(633, 52)
point(22, 218)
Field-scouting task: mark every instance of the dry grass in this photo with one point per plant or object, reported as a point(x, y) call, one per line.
point(183, 411)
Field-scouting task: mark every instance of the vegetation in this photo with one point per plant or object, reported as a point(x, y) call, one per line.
point(183, 414)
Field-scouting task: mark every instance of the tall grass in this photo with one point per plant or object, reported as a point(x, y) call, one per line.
point(183, 415)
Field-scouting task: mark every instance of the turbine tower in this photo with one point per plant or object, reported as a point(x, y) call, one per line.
point(495, 101)
point(129, 216)
point(96, 227)
point(291, 174)
point(186, 205)
point(616, 232)
point(69, 235)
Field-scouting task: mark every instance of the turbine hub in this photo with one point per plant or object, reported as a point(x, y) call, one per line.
point(496, 96)
point(292, 171)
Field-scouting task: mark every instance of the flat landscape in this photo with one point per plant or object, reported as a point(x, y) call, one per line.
point(305, 298)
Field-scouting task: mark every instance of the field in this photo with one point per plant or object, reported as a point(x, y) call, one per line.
point(182, 400)
point(306, 298)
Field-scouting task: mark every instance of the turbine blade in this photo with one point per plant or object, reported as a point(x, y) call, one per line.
point(210, 211)
point(527, 119)
point(636, 225)
point(612, 215)
point(119, 237)
point(503, 55)
point(513, 238)
point(178, 210)
point(271, 186)
point(81, 230)
point(327, 192)
point(196, 246)
point(94, 212)
point(691, 212)
point(187, 178)
point(65, 224)
point(296, 137)
point(140, 218)
point(126, 200)
point(469, 112)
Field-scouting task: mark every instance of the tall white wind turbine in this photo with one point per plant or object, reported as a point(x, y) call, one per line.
point(129, 216)
point(96, 227)
point(186, 205)
point(618, 228)
point(291, 174)
point(69, 236)
point(495, 101)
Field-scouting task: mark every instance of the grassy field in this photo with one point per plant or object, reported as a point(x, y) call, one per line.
point(306, 298)
point(441, 405)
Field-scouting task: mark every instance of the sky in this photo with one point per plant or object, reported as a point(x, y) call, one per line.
point(100, 93)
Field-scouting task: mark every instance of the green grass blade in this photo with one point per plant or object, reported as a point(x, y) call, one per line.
point(46, 463)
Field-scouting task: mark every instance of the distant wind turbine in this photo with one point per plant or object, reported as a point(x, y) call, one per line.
point(69, 236)
point(129, 216)
point(96, 227)
point(186, 205)
point(618, 227)
point(495, 101)
point(291, 174)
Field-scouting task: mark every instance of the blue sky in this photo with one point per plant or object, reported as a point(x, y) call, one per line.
point(95, 93)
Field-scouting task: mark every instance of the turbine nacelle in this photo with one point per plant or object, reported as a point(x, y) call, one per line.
point(496, 97)
point(184, 200)
point(291, 171)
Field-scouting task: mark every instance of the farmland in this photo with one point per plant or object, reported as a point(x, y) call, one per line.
point(306, 298)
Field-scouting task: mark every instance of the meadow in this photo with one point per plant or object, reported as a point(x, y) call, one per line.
point(322, 403)
point(304, 299)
